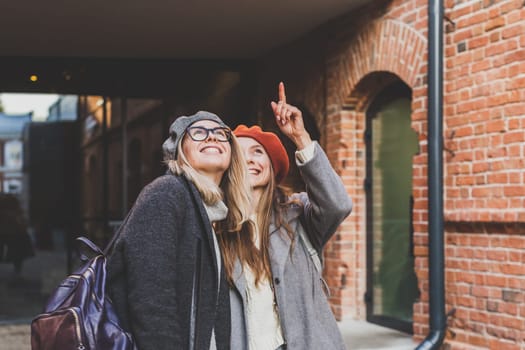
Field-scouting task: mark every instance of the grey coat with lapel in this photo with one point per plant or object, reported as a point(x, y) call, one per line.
point(306, 317)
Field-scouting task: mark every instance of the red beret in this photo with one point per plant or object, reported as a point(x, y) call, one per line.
point(273, 146)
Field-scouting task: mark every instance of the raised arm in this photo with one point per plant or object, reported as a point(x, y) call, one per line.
point(326, 203)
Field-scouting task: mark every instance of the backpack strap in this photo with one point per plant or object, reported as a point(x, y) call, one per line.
point(90, 245)
point(113, 240)
point(93, 247)
point(314, 255)
point(311, 251)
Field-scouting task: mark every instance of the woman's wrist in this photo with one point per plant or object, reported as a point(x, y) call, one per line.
point(306, 154)
point(302, 141)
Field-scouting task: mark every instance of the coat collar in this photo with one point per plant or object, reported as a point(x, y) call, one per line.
point(208, 231)
point(217, 211)
point(239, 280)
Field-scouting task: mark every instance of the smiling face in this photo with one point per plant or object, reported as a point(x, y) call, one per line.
point(209, 157)
point(259, 164)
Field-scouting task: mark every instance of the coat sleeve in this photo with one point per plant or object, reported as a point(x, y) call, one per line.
point(148, 247)
point(326, 203)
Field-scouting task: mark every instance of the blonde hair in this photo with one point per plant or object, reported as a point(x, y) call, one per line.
point(234, 188)
point(241, 245)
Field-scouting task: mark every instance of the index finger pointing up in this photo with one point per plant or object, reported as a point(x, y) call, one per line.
point(282, 94)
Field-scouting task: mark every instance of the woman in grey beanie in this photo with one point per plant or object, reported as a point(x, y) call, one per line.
point(165, 274)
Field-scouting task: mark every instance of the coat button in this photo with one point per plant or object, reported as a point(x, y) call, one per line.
point(277, 280)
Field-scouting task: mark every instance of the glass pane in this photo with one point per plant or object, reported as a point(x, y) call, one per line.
point(394, 143)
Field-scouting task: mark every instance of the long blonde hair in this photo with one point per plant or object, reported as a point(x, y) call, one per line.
point(234, 188)
point(240, 245)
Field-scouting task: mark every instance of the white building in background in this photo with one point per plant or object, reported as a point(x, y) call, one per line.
point(65, 108)
point(11, 151)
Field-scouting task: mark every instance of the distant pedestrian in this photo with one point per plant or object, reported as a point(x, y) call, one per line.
point(15, 242)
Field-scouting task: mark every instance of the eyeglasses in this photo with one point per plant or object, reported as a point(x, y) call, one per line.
point(200, 133)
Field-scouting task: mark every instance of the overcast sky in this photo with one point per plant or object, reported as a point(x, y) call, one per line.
point(25, 103)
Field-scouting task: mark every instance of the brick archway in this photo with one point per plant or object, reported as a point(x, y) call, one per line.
point(386, 51)
point(388, 46)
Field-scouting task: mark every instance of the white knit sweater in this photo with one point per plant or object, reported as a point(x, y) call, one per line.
point(264, 328)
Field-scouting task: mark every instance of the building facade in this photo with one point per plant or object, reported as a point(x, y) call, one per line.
point(11, 146)
point(364, 79)
point(361, 81)
point(64, 108)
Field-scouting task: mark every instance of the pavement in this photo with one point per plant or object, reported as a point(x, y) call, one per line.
point(361, 335)
point(15, 337)
point(358, 335)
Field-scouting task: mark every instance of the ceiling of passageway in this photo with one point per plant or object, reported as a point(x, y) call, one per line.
point(182, 29)
point(146, 47)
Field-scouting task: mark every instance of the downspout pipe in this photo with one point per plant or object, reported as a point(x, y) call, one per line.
point(436, 250)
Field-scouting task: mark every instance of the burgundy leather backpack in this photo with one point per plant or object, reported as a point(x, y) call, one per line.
point(79, 315)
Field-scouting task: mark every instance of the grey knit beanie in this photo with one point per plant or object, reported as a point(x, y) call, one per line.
point(178, 128)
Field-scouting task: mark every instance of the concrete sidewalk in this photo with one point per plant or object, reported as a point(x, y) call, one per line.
point(358, 335)
point(361, 335)
point(15, 337)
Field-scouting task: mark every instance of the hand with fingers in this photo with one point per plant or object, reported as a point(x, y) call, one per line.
point(290, 120)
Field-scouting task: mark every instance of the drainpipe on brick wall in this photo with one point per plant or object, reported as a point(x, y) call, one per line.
point(436, 250)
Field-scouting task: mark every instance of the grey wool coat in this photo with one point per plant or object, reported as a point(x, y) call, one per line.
point(306, 318)
point(163, 273)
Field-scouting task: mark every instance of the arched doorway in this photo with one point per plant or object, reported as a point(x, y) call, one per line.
point(391, 144)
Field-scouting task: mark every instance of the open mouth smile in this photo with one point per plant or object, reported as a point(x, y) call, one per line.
point(253, 171)
point(211, 149)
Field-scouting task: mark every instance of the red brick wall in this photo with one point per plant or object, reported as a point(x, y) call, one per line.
point(345, 254)
point(385, 45)
point(485, 183)
point(484, 282)
point(342, 80)
point(485, 105)
point(484, 113)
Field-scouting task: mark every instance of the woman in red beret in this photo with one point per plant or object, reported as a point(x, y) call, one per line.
point(277, 297)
